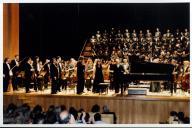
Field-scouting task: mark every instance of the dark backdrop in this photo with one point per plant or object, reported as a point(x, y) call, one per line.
point(61, 29)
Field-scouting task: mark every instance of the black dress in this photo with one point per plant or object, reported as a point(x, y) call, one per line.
point(98, 78)
point(80, 77)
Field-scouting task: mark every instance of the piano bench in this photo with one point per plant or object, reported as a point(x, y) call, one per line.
point(103, 86)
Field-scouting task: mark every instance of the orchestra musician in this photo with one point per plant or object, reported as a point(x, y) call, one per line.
point(175, 75)
point(40, 77)
point(54, 73)
point(15, 70)
point(105, 67)
point(29, 74)
point(185, 77)
point(72, 72)
point(47, 73)
point(59, 64)
point(80, 75)
point(64, 75)
point(36, 80)
point(88, 73)
point(7, 74)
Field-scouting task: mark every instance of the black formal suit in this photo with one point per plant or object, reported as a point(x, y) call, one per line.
point(80, 77)
point(118, 78)
point(28, 76)
point(37, 81)
point(47, 75)
point(112, 85)
point(6, 77)
point(54, 73)
point(59, 79)
point(35, 67)
point(15, 70)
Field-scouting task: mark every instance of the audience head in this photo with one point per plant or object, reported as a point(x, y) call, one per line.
point(97, 117)
point(26, 107)
point(181, 116)
point(85, 116)
point(64, 117)
point(95, 108)
point(51, 117)
point(37, 109)
point(74, 112)
point(11, 108)
point(81, 110)
point(105, 108)
point(58, 109)
point(51, 108)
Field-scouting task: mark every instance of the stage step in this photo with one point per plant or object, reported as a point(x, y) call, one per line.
point(137, 91)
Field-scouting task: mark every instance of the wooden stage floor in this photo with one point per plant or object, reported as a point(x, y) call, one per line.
point(130, 109)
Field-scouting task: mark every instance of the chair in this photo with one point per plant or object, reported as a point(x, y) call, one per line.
point(104, 86)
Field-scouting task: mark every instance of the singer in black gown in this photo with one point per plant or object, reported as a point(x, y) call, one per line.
point(98, 77)
point(80, 76)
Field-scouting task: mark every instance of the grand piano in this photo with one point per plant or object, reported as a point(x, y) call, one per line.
point(150, 71)
point(147, 71)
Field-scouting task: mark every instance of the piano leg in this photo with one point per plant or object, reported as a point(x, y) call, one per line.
point(171, 87)
point(175, 87)
point(121, 89)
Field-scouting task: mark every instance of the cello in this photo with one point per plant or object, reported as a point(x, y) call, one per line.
point(185, 80)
